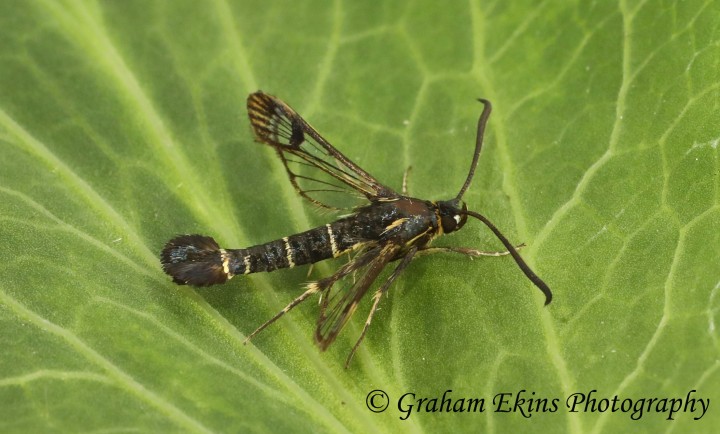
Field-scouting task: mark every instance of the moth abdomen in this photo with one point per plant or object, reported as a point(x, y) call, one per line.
point(195, 260)
point(300, 249)
point(198, 260)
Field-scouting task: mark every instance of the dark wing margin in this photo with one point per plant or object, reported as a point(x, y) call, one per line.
point(342, 292)
point(302, 150)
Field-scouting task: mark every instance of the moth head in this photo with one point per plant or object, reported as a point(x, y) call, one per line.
point(452, 214)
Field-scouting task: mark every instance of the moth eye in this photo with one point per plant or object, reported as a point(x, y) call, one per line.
point(448, 224)
point(457, 218)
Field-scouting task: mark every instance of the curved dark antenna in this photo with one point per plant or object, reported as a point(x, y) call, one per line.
point(478, 145)
point(521, 263)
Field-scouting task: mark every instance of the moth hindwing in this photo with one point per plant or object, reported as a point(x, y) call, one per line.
point(387, 227)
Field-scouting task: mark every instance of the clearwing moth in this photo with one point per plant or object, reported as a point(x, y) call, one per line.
point(387, 227)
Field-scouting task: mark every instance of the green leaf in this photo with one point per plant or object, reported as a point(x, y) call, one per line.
point(123, 124)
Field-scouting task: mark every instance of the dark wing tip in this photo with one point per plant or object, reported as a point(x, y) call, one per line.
point(193, 260)
point(261, 111)
point(274, 122)
point(258, 99)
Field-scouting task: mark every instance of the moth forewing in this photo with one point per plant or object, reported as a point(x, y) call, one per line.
point(339, 304)
point(335, 178)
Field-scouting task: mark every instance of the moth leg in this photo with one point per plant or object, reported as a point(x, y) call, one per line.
point(404, 183)
point(312, 289)
point(473, 253)
point(376, 300)
point(354, 273)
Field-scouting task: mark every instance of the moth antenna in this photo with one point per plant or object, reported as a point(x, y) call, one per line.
point(194, 260)
point(518, 259)
point(482, 122)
